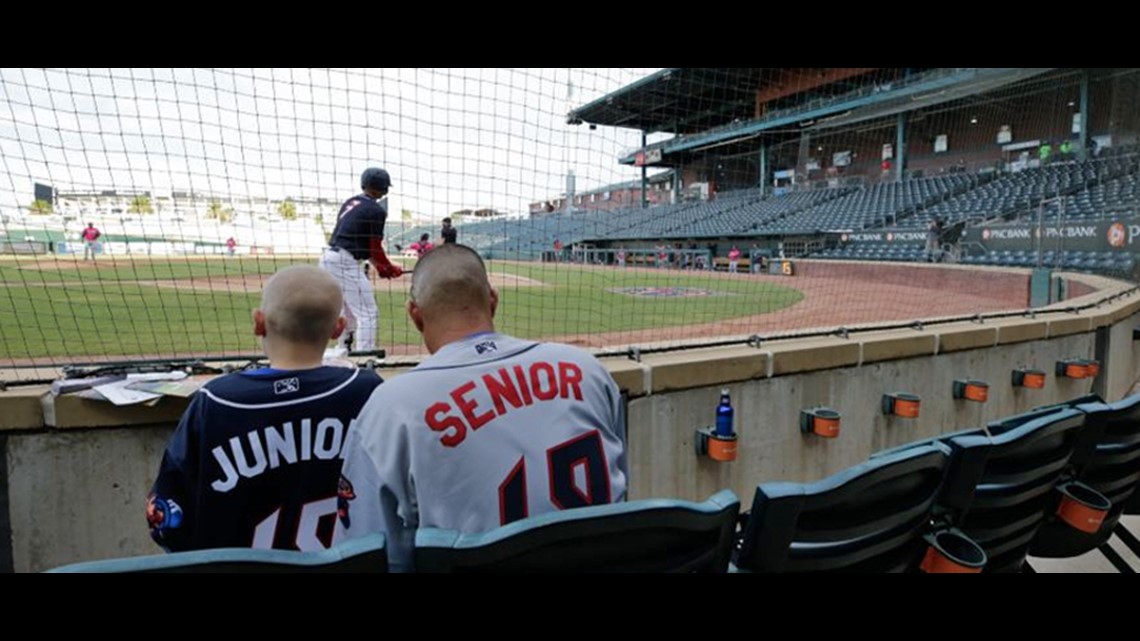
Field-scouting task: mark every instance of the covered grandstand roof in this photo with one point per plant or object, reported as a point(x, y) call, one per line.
point(652, 179)
point(677, 100)
point(719, 106)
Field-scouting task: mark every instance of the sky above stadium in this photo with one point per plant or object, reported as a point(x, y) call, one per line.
point(451, 138)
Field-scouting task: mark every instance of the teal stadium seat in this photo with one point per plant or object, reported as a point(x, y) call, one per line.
point(868, 518)
point(366, 554)
point(654, 535)
point(1000, 487)
point(1107, 459)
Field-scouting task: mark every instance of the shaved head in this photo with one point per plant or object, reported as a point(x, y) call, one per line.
point(451, 280)
point(301, 305)
point(451, 297)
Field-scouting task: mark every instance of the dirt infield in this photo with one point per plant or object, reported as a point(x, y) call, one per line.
point(838, 294)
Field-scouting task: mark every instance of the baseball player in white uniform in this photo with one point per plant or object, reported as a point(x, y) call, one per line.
point(358, 236)
point(487, 430)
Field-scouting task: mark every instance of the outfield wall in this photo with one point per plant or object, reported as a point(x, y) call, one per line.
point(74, 474)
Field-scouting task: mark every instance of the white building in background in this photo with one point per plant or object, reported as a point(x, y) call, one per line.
point(184, 204)
point(181, 216)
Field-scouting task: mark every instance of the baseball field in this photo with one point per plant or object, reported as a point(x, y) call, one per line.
point(59, 310)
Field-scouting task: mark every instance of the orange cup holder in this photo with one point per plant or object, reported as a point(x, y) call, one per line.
point(821, 421)
point(951, 552)
point(717, 448)
point(977, 391)
point(1029, 378)
point(1082, 507)
point(901, 404)
point(1078, 368)
point(722, 448)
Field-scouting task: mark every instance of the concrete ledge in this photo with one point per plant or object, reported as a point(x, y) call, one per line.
point(629, 375)
point(895, 344)
point(1071, 325)
point(963, 336)
point(44, 373)
point(21, 408)
point(1100, 317)
point(705, 367)
point(812, 354)
point(1020, 330)
point(1113, 312)
point(71, 411)
point(1125, 309)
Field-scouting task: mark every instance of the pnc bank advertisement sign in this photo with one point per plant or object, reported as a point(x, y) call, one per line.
point(1104, 235)
point(1121, 234)
point(884, 236)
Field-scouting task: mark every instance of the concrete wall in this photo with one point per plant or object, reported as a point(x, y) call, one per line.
point(80, 495)
point(74, 474)
point(1120, 355)
point(771, 446)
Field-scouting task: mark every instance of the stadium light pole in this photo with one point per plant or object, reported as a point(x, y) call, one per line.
point(763, 169)
point(900, 146)
point(644, 198)
point(1083, 137)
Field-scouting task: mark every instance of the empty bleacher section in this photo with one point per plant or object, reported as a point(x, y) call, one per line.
point(405, 235)
point(1023, 192)
point(1091, 190)
point(730, 216)
point(1094, 195)
point(1109, 262)
point(1089, 261)
point(526, 239)
point(1009, 193)
point(1116, 197)
point(879, 251)
point(874, 206)
point(1115, 192)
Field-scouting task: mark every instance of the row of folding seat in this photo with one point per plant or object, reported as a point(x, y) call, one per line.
point(1053, 482)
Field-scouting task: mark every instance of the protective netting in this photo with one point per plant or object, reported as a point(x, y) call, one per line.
point(615, 207)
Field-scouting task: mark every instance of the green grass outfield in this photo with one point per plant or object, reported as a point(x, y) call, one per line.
point(66, 310)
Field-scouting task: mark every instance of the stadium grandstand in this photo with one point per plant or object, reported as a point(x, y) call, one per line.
point(800, 159)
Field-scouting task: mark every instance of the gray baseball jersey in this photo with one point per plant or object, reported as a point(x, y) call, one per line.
point(488, 430)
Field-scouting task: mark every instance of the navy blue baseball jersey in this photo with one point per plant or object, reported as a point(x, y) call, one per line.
point(256, 459)
point(359, 220)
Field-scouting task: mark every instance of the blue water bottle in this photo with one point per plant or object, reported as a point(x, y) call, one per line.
point(724, 415)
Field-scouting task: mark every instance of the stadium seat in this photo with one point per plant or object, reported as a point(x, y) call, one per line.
point(1107, 459)
point(941, 440)
point(999, 487)
point(868, 518)
point(654, 535)
point(367, 554)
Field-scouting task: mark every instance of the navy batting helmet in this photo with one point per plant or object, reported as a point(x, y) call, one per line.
point(375, 178)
